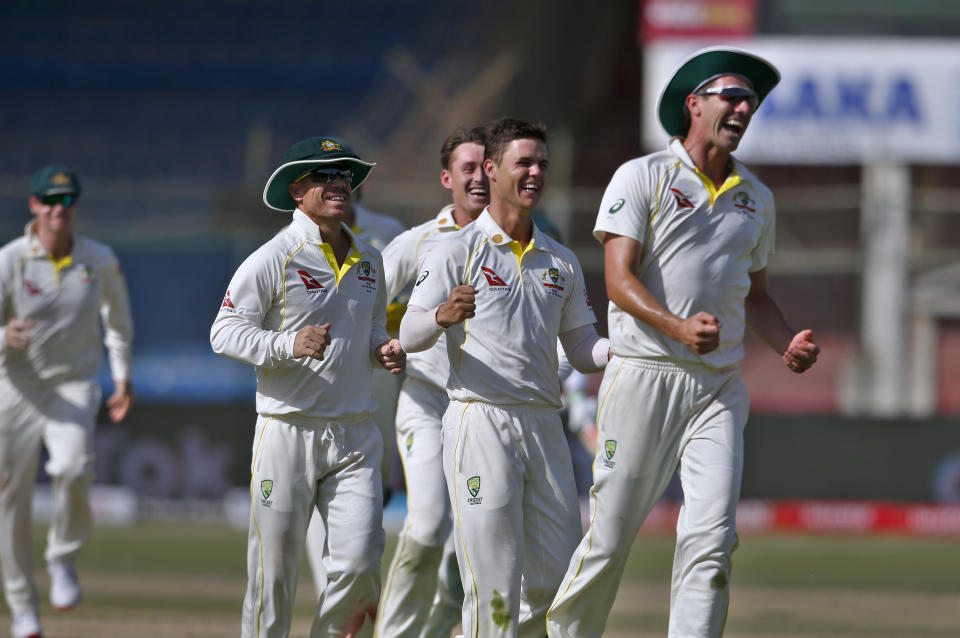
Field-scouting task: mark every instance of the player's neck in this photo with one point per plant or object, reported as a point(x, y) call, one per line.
point(462, 218)
point(514, 221)
point(714, 162)
point(57, 244)
point(337, 237)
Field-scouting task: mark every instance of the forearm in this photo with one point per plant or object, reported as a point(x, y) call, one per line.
point(766, 320)
point(419, 329)
point(585, 349)
point(239, 339)
point(633, 297)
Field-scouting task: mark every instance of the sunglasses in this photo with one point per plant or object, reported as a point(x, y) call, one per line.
point(327, 175)
point(734, 95)
point(67, 199)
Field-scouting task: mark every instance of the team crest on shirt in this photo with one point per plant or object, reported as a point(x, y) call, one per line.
point(87, 275)
point(367, 276)
point(409, 442)
point(32, 288)
point(495, 282)
point(266, 488)
point(473, 485)
point(609, 449)
point(553, 281)
point(617, 205)
point(744, 202)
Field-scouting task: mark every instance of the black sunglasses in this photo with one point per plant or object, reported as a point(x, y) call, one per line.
point(734, 95)
point(67, 199)
point(327, 175)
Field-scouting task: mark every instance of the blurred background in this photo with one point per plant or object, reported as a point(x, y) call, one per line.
point(174, 114)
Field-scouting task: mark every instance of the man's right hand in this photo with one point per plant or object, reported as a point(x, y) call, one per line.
point(459, 306)
point(311, 342)
point(17, 333)
point(701, 332)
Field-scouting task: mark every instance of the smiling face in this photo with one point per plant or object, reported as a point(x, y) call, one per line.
point(53, 218)
point(325, 204)
point(719, 120)
point(518, 180)
point(466, 180)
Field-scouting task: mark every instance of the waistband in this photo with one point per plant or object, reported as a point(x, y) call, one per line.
point(667, 365)
point(513, 408)
point(306, 421)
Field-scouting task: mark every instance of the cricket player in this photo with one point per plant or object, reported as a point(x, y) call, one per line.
point(419, 599)
point(307, 310)
point(58, 291)
point(503, 292)
point(686, 234)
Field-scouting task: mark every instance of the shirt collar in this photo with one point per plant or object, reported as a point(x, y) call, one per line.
point(499, 237)
point(445, 218)
point(675, 146)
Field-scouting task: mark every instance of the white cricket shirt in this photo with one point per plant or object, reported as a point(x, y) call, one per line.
point(401, 261)
point(506, 354)
point(69, 301)
point(699, 244)
point(291, 282)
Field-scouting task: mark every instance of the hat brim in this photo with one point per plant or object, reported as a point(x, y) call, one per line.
point(707, 63)
point(276, 194)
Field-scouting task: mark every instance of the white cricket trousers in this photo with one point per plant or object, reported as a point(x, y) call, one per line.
point(420, 598)
point(652, 418)
point(62, 417)
point(516, 514)
point(332, 466)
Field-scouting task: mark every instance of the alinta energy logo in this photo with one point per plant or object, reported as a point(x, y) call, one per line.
point(310, 283)
point(682, 200)
point(473, 486)
point(494, 280)
point(609, 449)
point(266, 488)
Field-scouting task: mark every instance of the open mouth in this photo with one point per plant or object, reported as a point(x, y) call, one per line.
point(478, 192)
point(530, 188)
point(734, 126)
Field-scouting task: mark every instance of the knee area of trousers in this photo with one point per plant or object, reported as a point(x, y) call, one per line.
point(416, 556)
point(432, 531)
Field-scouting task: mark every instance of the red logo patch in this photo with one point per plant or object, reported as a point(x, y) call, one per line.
point(492, 278)
point(682, 200)
point(309, 281)
point(31, 287)
point(226, 301)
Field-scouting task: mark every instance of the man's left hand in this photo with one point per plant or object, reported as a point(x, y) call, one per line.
point(802, 352)
point(391, 356)
point(120, 401)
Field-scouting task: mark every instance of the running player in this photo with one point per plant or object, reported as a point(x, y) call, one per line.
point(503, 292)
point(686, 234)
point(308, 310)
point(422, 595)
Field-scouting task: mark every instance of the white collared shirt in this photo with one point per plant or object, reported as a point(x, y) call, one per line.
point(68, 301)
point(507, 353)
point(699, 245)
point(291, 282)
point(401, 261)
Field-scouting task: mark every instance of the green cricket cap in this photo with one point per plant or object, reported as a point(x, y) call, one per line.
point(54, 180)
point(704, 66)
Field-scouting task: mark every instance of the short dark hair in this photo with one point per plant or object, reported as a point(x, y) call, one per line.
point(455, 139)
point(501, 132)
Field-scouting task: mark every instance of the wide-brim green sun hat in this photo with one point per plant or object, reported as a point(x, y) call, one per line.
point(707, 64)
point(305, 155)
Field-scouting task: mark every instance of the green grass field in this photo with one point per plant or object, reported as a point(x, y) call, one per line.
point(186, 580)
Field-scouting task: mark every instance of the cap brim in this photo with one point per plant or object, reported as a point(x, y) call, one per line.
point(707, 63)
point(276, 194)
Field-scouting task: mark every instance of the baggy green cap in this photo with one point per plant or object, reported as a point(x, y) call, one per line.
point(707, 64)
point(303, 156)
point(54, 180)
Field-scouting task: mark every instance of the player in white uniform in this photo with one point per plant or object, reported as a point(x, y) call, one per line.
point(377, 230)
point(504, 291)
point(307, 309)
point(422, 595)
point(57, 290)
point(686, 234)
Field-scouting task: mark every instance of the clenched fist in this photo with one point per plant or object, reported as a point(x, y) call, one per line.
point(311, 342)
point(391, 356)
point(459, 306)
point(701, 332)
point(17, 333)
point(802, 352)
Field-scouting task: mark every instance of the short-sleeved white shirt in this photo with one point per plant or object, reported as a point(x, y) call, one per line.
point(506, 354)
point(291, 282)
point(401, 261)
point(699, 245)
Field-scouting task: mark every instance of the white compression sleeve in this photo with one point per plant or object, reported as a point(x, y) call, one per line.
point(586, 350)
point(419, 329)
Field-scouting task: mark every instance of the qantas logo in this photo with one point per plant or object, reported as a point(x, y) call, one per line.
point(682, 200)
point(31, 287)
point(226, 301)
point(493, 278)
point(309, 281)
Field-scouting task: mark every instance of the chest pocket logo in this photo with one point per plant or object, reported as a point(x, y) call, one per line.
point(495, 280)
point(553, 281)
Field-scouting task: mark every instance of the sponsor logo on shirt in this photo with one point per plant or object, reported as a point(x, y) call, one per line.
point(409, 442)
point(473, 486)
point(495, 281)
point(744, 202)
point(226, 301)
point(682, 200)
point(266, 488)
point(32, 288)
point(366, 275)
point(88, 275)
point(617, 205)
point(423, 275)
point(312, 285)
